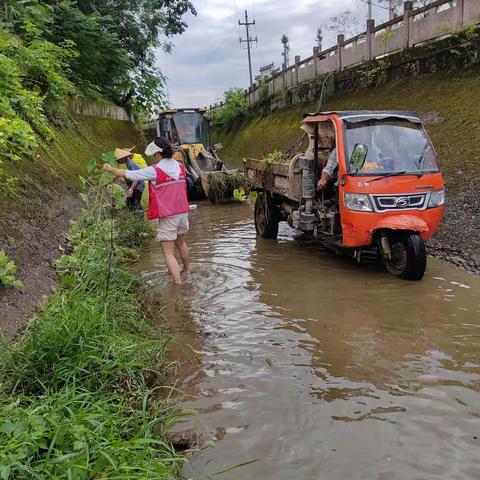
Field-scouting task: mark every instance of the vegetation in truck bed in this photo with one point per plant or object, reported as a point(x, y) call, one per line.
point(274, 157)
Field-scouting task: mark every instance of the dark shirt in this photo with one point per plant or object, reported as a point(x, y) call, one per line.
point(131, 165)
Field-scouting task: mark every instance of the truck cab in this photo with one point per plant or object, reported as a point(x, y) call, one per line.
point(387, 191)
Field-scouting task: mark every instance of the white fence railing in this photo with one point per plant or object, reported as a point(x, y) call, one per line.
point(438, 19)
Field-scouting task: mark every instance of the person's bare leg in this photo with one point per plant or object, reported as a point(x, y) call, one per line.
point(168, 249)
point(184, 252)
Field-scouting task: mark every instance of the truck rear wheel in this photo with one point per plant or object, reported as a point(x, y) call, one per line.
point(267, 216)
point(408, 256)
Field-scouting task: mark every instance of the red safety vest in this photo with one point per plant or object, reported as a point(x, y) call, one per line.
point(168, 196)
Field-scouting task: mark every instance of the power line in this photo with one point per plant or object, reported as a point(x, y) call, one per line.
point(248, 41)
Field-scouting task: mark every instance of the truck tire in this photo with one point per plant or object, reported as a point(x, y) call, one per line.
point(409, 256)
point(267, 216)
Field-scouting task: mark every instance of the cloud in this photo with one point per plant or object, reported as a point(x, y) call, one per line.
point(208, 58)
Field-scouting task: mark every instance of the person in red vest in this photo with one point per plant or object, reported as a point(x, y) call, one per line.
point(168, 202)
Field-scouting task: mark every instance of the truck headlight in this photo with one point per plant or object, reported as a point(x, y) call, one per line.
point(437, 198)
point(358, 201)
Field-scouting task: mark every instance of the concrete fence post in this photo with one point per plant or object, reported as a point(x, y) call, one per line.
point(460, 9)
point(340, 40)
point(297, 66)
point(407, 14)
point(370, 38)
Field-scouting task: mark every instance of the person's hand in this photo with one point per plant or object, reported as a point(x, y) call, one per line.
point(108, 168)
point(129, 193)
point(322, 183)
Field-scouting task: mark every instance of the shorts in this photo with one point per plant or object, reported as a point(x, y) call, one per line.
point(170, 227)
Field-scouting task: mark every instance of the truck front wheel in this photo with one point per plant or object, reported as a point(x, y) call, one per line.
point(267, 216)
point(408, 257)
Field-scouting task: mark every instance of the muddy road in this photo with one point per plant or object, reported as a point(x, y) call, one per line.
point(318, 367)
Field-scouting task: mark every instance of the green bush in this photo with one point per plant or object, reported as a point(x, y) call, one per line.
point(233, 109)
point(33, 88)
point(8, 270)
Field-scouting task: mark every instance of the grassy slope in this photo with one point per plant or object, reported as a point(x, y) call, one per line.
point(34, 212)
point(455, 136)
point(56, 168)
point(451, 100)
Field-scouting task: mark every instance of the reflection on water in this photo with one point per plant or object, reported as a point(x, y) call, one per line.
point(322, 368)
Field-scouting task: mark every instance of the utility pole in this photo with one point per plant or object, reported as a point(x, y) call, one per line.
point(370, 16)
point(248, 41)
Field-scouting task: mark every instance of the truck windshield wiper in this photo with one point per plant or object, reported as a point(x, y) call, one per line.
point(391, 174)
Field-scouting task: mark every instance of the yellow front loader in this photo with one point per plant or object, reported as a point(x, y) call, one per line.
point(188, 131)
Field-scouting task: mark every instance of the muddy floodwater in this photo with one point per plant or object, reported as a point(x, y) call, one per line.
point(317, 367)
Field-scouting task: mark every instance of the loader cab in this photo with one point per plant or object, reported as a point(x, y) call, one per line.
point(187, 126)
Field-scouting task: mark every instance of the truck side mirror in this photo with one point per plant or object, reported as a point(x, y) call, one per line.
point(359, 155)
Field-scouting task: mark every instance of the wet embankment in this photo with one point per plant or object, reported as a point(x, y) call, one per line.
point(36, 207)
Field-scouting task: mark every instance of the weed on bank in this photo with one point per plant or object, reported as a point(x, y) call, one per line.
point(81, 387)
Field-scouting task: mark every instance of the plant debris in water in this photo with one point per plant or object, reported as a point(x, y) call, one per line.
point(224, 188)
point(76, 388)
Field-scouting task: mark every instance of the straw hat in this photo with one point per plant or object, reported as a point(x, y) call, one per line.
point(121, 153)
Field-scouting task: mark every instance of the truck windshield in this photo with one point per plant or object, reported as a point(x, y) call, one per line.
point(191, 127)
point(394, 145)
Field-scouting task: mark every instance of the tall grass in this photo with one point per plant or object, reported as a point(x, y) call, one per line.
point(80, 388)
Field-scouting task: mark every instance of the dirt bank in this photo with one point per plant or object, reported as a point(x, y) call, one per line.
point(35, 211)
point(449, 106)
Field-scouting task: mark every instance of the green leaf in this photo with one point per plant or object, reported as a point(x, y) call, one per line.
point(83, 182)
point(7, 427)
point(5, 472)
point(17, 284)
point(91, 165)
point(109, 157)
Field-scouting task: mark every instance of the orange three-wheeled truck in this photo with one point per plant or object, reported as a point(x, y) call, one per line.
point(387, 192)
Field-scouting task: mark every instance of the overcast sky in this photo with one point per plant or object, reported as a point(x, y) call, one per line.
point(207, 59)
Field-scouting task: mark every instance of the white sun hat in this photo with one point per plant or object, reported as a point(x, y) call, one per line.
point(152, 149)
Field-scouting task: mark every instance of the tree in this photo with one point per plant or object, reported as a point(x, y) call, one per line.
point(115, 42)
point(233, 108)
point(345, 23)
point(102, 64)
point(141, 22)
point(286, 49)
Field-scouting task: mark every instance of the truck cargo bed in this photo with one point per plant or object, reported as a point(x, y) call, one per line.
point(282, 179)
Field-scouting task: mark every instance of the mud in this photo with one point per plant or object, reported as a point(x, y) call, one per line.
point(42, 243)
point(315, 367)
point(458, 239)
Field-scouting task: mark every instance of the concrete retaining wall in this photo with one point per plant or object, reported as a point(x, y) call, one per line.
point(89, 108)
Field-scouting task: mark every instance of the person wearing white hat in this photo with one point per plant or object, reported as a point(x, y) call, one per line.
point(167, 202)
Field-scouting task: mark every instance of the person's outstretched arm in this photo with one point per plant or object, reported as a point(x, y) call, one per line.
point(143, 174)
